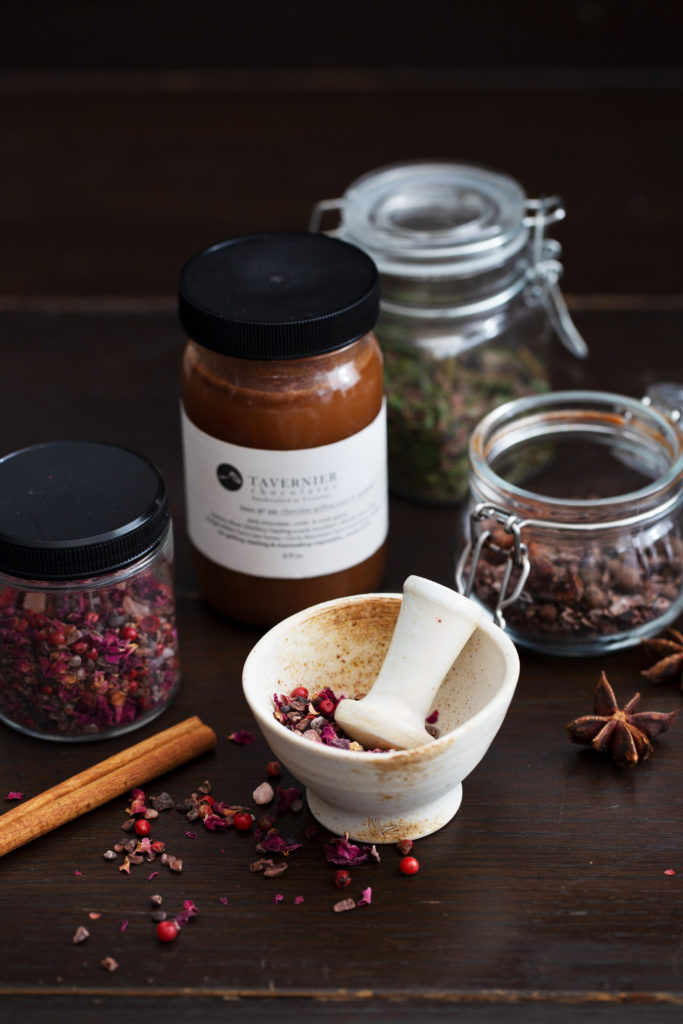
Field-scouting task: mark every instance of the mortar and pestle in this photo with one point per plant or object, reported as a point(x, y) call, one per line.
point(395, 659)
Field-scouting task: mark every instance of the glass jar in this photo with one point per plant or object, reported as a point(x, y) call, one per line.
point(576, 521)
point(284, 428)
point(469, 301)
point(88, 645)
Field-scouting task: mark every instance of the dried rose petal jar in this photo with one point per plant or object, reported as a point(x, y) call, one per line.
point(88, 644)
point(575, 527)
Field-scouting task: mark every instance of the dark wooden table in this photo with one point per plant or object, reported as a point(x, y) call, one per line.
point(546, 899)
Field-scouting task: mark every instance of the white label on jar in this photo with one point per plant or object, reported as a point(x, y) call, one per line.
point(287, 514)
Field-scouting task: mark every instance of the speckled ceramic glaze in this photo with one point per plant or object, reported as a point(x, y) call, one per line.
point(379, 797)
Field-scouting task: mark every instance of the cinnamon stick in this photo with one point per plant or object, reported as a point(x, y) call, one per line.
point(103, 781)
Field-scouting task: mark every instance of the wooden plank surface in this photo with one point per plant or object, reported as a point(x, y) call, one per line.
point(546, 893)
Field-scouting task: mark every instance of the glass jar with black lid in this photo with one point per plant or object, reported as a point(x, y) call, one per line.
point(88, 643)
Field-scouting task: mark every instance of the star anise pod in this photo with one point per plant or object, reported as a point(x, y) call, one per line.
point(626, 736)
point(667, 652)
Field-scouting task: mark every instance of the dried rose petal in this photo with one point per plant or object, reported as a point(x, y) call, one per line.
point(14, 796)
point(341, 851)
point(241, 737)
point(81, 934)
point(287, 798)
point(366, 897)
point(189, 910)
point(109, 964)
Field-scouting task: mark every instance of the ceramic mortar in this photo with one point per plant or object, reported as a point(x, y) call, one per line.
point(387, 796)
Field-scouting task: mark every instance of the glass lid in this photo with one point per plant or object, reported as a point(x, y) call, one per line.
point(448, 217)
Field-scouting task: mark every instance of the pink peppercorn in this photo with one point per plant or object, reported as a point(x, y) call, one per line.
point(242, 821)
point(409, 866)
point(167, 931)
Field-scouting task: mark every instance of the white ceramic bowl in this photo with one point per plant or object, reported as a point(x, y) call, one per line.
point(378, 797)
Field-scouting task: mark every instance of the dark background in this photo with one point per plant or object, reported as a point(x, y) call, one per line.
point(135, 133)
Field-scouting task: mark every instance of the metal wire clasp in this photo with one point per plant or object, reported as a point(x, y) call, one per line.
point(546, 270)
point(320, 209)
point(516, 555)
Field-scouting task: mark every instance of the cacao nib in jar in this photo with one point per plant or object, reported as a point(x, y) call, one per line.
point(88, 643)
point(470, 300)
point(575, 523)
point(284, 429)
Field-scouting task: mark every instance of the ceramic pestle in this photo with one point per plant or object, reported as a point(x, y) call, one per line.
point(434, 624)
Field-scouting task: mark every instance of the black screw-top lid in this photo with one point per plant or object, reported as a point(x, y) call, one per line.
point(76, 509)
point(282, 295)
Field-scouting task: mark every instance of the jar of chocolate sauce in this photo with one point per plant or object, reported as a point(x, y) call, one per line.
point(283, 417)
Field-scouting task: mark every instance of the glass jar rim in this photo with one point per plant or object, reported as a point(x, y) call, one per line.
point(576, 513)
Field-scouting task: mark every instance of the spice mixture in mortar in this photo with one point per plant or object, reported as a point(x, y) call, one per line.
point(313, 718)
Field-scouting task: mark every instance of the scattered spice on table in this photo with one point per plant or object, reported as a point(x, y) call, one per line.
point(667, 653)
point(217, 815)
point(84, 662)
point(623, 733)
